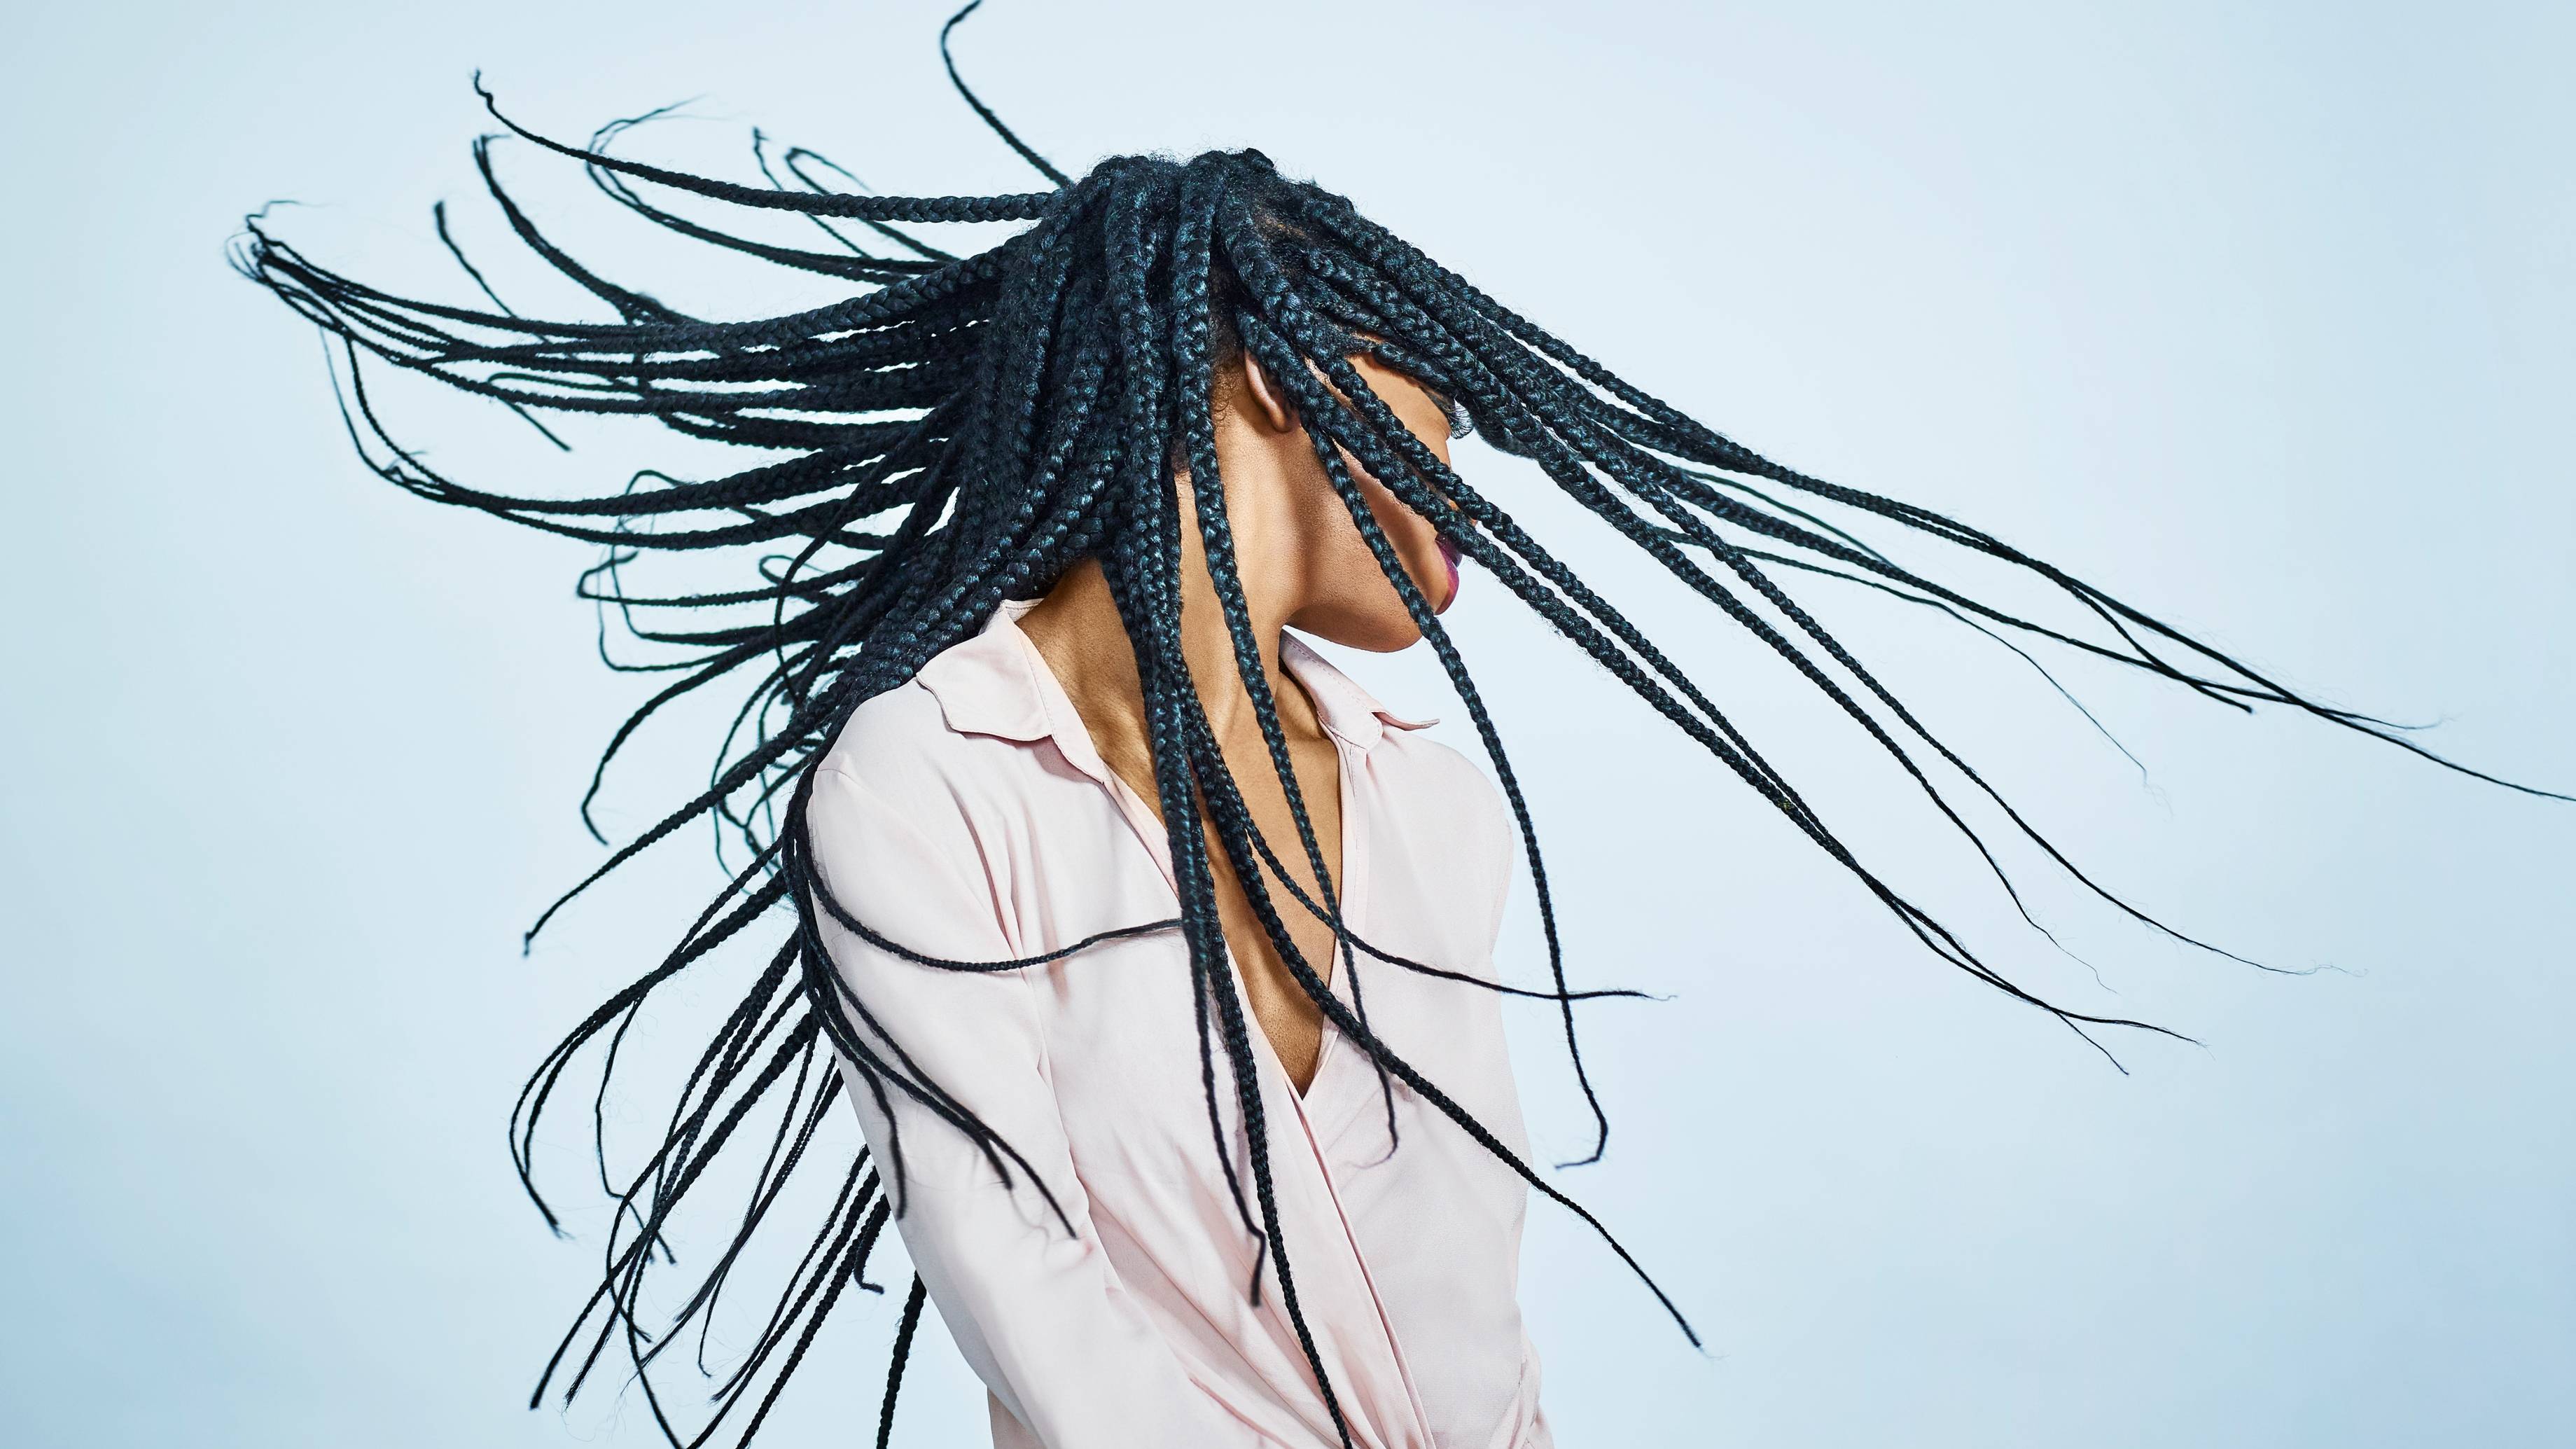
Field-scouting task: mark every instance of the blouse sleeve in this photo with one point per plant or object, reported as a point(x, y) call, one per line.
point(1039, 1314)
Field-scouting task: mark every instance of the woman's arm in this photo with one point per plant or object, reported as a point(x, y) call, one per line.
point(1039, 1313)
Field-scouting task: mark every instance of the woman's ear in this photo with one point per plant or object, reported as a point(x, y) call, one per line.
point(1267, 405)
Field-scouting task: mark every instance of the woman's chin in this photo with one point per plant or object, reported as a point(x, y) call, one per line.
point(1370, 631)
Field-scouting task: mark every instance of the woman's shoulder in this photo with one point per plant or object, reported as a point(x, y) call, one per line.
point(901, 805)
point(966, 712)
point(891, 736)
point(904, 757)
point(891, 817)
point(1437, 789)
point(1440, 772)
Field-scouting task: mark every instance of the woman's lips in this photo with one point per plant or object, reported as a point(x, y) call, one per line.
point(1449, 558)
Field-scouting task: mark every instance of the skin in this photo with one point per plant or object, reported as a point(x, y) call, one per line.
point(1303, 566)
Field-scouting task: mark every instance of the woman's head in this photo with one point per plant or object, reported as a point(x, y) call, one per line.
point(1203, 297)
point(1302, 557)
point(1197, 295)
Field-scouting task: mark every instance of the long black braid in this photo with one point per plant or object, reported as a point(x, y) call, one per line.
point(961, 429)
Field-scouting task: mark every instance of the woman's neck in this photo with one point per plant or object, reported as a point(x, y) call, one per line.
point(1077, 629)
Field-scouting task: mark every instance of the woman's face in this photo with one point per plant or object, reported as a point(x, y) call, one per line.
point(1348, 597)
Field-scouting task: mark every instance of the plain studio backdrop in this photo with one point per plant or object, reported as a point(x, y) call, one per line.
point(2259, 316)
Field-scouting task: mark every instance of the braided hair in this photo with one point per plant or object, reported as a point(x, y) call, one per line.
point(961, 429)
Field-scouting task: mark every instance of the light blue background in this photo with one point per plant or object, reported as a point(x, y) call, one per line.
point(2260, 316)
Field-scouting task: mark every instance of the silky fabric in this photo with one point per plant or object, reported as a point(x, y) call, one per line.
point(967, 816)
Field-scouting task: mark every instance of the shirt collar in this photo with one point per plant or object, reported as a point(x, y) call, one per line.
point(997, 683)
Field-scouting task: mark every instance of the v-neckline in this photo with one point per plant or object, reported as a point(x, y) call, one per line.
point(1148, 826)
point(1150, 833)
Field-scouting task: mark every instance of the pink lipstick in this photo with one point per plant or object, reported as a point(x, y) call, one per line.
point(1449, 557)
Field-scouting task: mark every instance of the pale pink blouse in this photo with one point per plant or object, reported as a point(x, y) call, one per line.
point(967, 816)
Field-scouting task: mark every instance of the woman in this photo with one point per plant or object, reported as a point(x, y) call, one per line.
point(1153, 955)
point(1003, 804)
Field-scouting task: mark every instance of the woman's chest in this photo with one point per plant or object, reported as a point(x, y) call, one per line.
point(1137, 1038)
